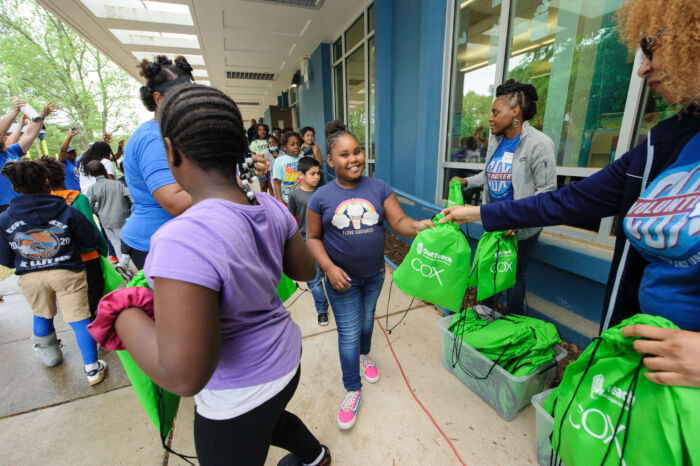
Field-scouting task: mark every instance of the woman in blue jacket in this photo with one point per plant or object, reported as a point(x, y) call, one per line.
point(655, 191)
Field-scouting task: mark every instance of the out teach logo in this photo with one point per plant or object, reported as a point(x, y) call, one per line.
point(431, 267)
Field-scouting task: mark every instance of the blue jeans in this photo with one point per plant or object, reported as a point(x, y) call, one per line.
point(316, 288)
point(353, 310)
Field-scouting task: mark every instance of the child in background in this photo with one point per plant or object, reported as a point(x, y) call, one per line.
point(89, 256)
point(41, 237)
point(273, 151)
point(259, 145)
point(345, 234)
point(220, 332)
point(285, 174)
point(309, 148)
point(111, 201)
point(298, 199)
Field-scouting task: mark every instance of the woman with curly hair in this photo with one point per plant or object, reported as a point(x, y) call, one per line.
point(520, 163)
point(654, 189)
point(157, 197)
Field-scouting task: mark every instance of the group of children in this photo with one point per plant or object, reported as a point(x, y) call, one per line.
point(220, 332)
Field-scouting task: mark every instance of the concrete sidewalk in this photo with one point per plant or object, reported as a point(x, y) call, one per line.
point(51, 415)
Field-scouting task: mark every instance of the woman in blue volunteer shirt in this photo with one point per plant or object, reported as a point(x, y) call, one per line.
point(520, 163)
point(157, 197)
point(655, 191)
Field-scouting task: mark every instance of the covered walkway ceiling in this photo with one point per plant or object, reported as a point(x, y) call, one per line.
point(248, 48)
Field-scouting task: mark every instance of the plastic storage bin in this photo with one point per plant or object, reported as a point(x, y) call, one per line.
point(544, 424)
point(503, 391)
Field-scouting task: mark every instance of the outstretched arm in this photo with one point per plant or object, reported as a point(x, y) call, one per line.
point(14, 137)
point(63, 154)
point(27, 139)
point(7, 120)
point(401, 223)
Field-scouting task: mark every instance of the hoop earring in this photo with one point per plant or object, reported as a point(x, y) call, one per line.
point(516, 122)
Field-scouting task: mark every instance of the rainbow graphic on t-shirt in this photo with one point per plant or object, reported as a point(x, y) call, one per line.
point(356, 211)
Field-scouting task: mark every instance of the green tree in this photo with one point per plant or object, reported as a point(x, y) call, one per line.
point(42, 60)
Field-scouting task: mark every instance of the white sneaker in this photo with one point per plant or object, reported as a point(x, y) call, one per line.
point(49, 349)
point(96, 376)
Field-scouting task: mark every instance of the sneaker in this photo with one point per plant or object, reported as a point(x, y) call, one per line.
point(125, 271)
point(349, 408)
point(113, 260)
point(292, 460)
point(368, 368)
point(49, 349)
point(96, 376)
point(323, 319)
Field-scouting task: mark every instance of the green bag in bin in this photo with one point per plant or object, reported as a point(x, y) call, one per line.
point(455, 196)
point(436, 267)
point(495, 263)
point(607, 412)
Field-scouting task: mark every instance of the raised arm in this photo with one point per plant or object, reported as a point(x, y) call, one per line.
point(27, 139)
point(14, 137)
point(63, 153)
point(7, 120)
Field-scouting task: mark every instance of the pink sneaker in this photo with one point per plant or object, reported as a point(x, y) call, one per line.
point(349, 408)
point(369, 369)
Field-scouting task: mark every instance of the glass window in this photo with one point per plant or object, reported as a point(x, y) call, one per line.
point(571, 53)
point(292, 95)
point(337, 49)
point(472, 196)
point(339, 92)
point(370, 110)
point(474, 65)
point(355, 34)
point(370, 18)
point(653, 110)
point(356, 85)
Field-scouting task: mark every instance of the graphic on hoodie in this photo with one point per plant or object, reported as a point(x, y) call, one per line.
point(39, 244)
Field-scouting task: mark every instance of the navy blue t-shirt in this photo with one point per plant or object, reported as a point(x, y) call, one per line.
point(11, 153)
point(352, 219)
point(664, 226)
point(499, 171)
point(72, 181)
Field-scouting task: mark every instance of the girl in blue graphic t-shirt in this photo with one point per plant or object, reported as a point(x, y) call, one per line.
point(344, 233)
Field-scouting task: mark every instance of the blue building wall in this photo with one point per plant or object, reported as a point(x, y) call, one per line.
point(315, 104)
point(409, 37)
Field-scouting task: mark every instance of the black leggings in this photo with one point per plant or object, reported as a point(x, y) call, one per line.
point(246, 439)
point(137, 257)
point(95, 284)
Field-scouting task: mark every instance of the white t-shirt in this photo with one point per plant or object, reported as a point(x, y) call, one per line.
point(86, 181)
point(219, 405)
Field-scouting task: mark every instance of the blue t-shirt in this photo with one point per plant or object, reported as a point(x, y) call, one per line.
point(352, 219)
point(499, 171)
point(72, 181)
point(146, 170)
point(664, 226)
point(14, 152)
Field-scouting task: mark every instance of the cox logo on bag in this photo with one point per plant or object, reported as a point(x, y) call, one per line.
point(426, 269)
point(504, 263)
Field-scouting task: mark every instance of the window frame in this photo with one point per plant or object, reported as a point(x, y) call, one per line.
point(341, 62)
point(633, 105)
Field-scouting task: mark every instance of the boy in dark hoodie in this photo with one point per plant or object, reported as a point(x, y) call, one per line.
point(41, 236)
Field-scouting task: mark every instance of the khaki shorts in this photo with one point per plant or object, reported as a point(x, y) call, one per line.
point(45, 288)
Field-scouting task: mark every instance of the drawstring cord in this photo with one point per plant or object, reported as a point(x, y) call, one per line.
point(161, 418)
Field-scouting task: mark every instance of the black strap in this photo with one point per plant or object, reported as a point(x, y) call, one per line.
point(163, 433)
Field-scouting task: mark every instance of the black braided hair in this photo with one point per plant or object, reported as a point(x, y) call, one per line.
point(56, 171)
point(524, 95)
point(97, 151)
point(335, 129)
point(158, 71)
point(27, 176)
point(205, 125)
point(287, 135)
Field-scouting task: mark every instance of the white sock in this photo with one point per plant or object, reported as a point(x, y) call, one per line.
point(320, 457)
point(92, 367)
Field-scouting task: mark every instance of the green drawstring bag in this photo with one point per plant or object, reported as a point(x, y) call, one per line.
point(435, 268)
point(606, 412)
point(455, 196)
point(112, 278)
point(495, 263)
point(286, 288)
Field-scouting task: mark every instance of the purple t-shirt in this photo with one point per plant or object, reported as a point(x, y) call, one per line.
point(237, 251)
point(353, 230)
